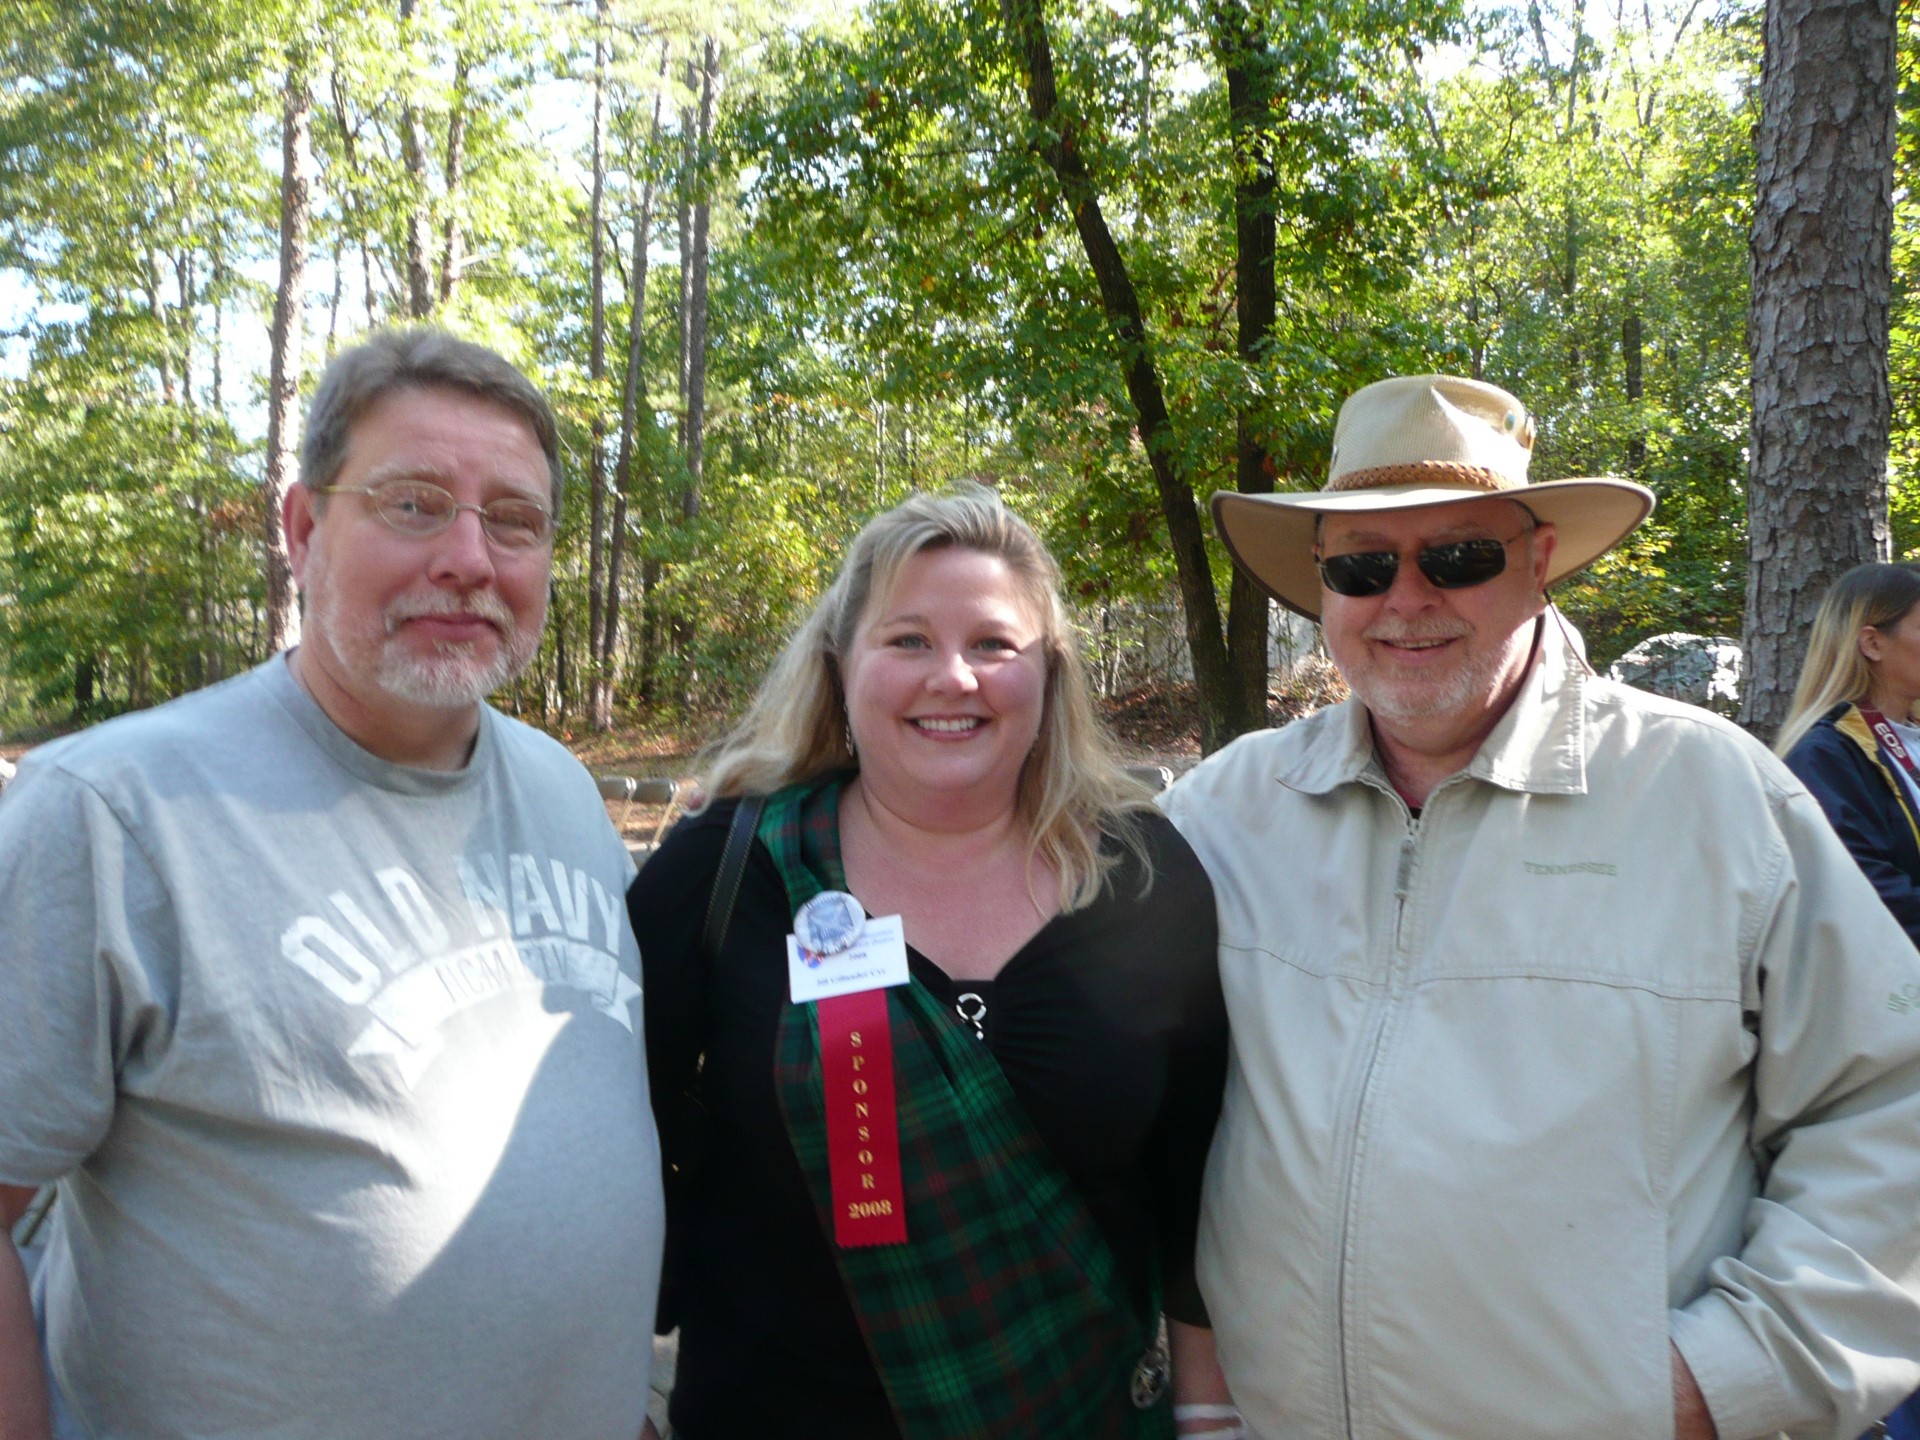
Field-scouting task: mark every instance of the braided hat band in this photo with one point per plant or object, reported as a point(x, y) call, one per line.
point(1424, 472)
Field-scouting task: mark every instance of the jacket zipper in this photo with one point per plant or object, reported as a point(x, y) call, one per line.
point(1402, 884)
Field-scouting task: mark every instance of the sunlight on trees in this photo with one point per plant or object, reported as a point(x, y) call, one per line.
point(779, 266)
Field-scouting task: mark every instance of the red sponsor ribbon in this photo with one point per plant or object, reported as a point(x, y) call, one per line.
point(863, 1123)
point(1889, 741)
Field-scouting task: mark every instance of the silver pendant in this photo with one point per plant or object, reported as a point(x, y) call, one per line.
point(972, 1008)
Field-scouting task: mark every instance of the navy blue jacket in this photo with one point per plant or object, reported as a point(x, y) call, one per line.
point(1842, 764)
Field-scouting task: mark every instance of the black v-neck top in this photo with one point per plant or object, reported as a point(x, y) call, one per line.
point(1111, 1031)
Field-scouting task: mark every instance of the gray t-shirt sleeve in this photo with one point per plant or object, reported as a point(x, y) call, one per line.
point(82, 919)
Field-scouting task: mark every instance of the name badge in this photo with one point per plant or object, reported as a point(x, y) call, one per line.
point(875, 961)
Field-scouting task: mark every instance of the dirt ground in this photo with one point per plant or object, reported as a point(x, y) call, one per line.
point(1155, 725)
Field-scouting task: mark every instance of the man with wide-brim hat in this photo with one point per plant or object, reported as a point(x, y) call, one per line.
point(1571, 1093)
point(1424, 440)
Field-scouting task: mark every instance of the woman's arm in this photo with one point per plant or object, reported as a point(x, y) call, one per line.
point(23, 1401)
point(1202, 1408)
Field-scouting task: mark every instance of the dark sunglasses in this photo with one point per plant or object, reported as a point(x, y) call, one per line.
point(1457, 565)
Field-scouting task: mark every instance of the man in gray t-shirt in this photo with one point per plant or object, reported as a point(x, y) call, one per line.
point(321, 1002)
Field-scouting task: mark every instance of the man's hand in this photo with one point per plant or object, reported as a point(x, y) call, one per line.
point(1691, 1418)
point(23, 1399)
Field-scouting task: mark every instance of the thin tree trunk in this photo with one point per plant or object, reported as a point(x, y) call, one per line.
point(1057, 142)
point(688, 161)
point(696, 443)
point(633, 399)
point(350, 208)
point(218, 358)
point(413, 147)
point(1633, 353)
point(1817, 326)
point(1241, 47)
point(452, 242)
point(157, 312)
point(598, 696)
point(181, 331)
point(283, 370)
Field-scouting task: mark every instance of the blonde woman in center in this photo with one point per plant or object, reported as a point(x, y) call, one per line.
point(988, 1251)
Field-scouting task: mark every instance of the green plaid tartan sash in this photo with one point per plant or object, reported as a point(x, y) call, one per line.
point(1004, 1316)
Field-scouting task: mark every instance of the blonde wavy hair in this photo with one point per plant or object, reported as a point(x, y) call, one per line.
point(1072, 786)
point(1836, 672)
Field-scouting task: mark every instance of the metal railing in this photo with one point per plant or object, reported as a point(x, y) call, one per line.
point(639, 791)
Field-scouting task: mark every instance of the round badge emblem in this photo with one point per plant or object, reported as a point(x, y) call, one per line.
point(828, 924)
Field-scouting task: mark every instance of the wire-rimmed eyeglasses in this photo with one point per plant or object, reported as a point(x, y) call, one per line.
point(420, 508)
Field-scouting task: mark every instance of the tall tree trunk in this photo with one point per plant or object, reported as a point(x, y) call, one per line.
point(451, 239)
point(696, 443)
point(598, 693)
point(283, 366)
point(351, 210)
point(633, 400)
point(1817, 326)
point(186, 286)
point(1055, 137)
point(217, 360)
point(1633, 353)
point(86, 675)
point(157, 312)
point(689, 151)
point(413, 148)
point(1240, 44)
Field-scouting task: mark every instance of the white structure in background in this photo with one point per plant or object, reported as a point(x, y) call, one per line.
point(6, 772)
point(1700, 669)
point(1132, 645)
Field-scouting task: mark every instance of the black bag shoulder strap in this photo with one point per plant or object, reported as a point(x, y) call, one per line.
point(726, 881)
point(685, 1122)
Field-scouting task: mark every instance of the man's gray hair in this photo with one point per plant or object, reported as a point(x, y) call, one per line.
point(418, 357)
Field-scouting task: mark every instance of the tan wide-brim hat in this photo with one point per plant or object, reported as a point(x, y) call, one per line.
point(1415, 441)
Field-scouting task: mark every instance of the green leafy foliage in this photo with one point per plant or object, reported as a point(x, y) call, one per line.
point(131, 548)
point(1552, 199)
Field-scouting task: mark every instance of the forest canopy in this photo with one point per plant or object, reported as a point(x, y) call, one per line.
point(779, 265)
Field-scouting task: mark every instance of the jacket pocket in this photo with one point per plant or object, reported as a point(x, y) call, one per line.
point(1506, 1264)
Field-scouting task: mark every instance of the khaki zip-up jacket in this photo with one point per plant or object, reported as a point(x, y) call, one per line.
point(1607, 1048)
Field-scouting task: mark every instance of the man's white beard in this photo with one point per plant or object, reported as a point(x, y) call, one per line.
point(453, 677)
point(1476, 678)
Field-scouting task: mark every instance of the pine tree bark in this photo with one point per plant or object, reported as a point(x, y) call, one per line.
point(283, 365)
point(1817, 326)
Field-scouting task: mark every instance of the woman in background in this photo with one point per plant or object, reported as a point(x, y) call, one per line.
point(1849, 735)
point(926, 746)
point(1850, 738)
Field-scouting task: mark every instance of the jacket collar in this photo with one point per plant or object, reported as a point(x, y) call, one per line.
point(1539, 747)
point(1848, 721)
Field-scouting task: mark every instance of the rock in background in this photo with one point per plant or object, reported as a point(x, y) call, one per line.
point(1700, 669)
